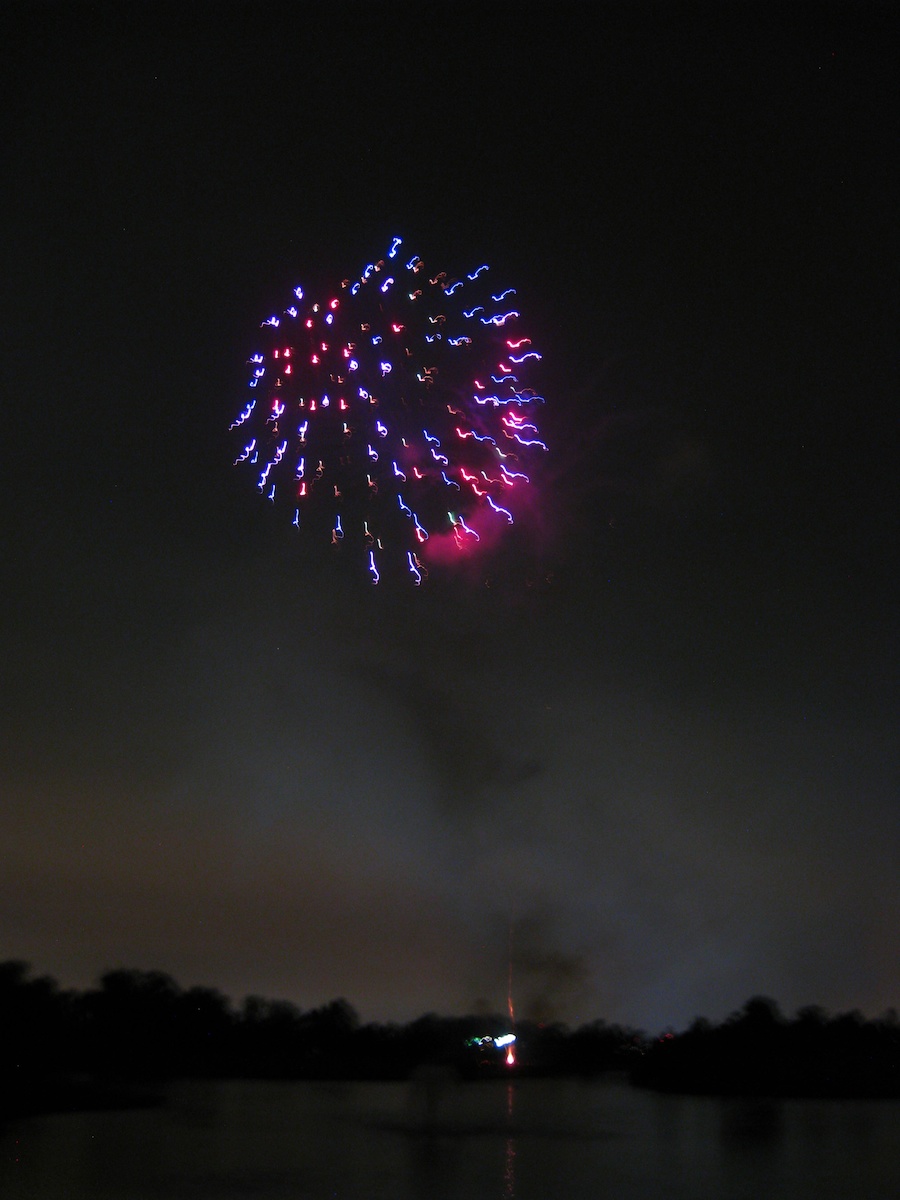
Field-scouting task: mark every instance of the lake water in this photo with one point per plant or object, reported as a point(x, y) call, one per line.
point(440, 1140)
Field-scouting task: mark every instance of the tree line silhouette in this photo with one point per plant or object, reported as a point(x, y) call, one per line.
point(758, 1052)
point(116, 1042)
point(65, 1048)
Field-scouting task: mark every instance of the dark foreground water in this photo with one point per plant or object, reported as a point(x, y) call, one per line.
point(437, 1140)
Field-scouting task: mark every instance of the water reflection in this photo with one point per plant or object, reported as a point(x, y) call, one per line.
point(509, 1165)
point(438, 1139)
point(451, 1131)
point(749, 1121)
point(429, 1087)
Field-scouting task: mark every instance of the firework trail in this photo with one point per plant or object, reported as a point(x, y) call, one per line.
point(510, 1053)
point(393, 417)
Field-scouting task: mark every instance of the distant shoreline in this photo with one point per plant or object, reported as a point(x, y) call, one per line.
point(119, 1044)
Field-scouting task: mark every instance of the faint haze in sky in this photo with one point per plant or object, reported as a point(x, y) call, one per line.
point(667, 758)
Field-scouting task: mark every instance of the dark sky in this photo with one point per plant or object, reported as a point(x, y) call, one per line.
point(671, 764)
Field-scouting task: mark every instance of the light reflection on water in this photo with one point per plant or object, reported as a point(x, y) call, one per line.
point(509, 1164)
point(436, 1139)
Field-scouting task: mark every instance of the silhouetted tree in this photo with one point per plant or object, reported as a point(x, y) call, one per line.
point(757, 1052)
point(204, 1029)
point(142, 1025)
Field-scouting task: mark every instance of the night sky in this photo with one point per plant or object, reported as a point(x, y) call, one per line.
point(660, 747)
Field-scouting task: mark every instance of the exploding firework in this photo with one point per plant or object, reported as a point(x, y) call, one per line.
point(393, 418)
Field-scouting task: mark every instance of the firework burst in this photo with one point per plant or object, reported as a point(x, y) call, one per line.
point(394, 417)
